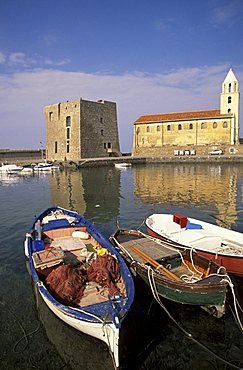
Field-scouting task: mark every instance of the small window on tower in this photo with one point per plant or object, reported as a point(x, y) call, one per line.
point(215, 125)
point(229, 87)
point(158, 128)
point(225, 124)
point(168, 128)
point(190, 126)
point(229, 110)
point(68, 121)
point(50, 116)
point(148, 128)
point(55, 147)
point(229, 99)
point(179, 127)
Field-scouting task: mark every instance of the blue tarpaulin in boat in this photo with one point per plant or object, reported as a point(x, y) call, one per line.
point(191, 225)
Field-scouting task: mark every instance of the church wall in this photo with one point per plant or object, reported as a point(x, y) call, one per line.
point(194, 132)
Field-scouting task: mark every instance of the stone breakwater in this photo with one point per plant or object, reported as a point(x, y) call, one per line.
point(99, 162)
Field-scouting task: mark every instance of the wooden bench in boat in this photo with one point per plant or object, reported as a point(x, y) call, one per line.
point(151, 248)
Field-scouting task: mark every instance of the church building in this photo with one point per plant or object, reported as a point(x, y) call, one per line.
point(197, 132)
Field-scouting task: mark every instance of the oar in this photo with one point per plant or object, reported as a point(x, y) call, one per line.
point(160, 268)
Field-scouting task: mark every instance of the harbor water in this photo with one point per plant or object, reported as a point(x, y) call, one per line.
point(152, 338)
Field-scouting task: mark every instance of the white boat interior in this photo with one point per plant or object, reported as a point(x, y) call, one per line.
point(198, 234)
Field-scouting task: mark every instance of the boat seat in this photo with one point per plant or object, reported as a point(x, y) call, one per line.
point(197, 239)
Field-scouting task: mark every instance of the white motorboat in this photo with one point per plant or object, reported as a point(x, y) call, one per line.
point(10, 168)
point(123, 165)
point(222, 245)
point(45, 166)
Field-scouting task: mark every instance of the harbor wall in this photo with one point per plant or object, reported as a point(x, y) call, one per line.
point(8, 156)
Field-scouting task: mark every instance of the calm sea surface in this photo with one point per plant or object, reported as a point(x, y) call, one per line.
point(32, 338)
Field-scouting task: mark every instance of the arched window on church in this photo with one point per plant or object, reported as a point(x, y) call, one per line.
point(229, 87)
point(179, 127)
point(225, 124)
point(158, 128)
point(229, 99)
point(215, 125)
point(148, 129)
point(204, 125)
point(168, 128)
point(229, 110)
point(190, 126)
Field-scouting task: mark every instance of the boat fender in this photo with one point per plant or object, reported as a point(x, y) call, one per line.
point(133, 271)
point(80, 234)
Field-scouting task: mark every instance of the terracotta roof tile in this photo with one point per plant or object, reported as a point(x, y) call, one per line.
point(181, 116)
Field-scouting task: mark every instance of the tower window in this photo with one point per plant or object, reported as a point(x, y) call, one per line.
point(68, 132)
point(158, 128)
point(229, 99)
point(68, 121)
point(108, 145)
point(215, 125)
point(190, 126)
point(225, 124)
point(101, 120)
point(179, 127)
point(102, 132)
point(168, 128)
point(68, 147)
point(229, 87)
point(104, 145)
point(55, 149)
point(148, 129)
point(229, 110)
point(50, 116)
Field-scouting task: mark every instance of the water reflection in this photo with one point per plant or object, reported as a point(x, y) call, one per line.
point(91, 192)
point(149, 340)
point(215, 188)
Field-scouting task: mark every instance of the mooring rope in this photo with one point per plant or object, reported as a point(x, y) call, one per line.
point(25, 334)
point(189, 335)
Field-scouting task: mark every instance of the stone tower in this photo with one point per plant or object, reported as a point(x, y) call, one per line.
point(81, 129)
point(230, 103)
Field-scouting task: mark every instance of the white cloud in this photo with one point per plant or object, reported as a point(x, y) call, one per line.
point(23, 96)
point(17, 58)
point(2, 58)
point(21, 60)
point(227, 14)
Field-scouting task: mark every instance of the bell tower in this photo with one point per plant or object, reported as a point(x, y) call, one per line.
point(230, 104)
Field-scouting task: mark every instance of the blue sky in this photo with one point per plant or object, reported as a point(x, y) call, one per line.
point(149, 56)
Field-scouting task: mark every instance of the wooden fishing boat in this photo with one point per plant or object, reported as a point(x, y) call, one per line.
point(222, 245)
point(80, 275)
point(178, 275)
